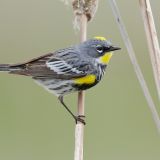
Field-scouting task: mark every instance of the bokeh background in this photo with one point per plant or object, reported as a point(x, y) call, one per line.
point(33, 124)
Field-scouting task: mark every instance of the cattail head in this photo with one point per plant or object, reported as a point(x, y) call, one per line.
point(84, 7)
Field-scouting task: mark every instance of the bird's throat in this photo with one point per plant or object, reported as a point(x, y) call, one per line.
point(105, 58)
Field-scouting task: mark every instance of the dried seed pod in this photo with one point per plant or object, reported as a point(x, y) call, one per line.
point(85, 7)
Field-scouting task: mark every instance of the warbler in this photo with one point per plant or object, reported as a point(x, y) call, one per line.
point(68, 70)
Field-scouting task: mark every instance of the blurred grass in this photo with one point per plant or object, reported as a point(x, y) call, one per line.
point(33, 125)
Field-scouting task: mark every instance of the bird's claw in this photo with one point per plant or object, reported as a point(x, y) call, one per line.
point(80, 118)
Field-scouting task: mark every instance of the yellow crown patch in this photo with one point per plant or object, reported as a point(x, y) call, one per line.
point(101, 38)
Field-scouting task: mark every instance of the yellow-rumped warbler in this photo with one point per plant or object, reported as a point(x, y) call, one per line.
point(76, 68)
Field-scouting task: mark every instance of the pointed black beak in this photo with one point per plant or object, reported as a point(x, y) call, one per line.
point(113, 48)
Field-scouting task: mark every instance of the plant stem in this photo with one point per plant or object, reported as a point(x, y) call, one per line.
point(79, 128)
point(152, 40)
point(134, 62)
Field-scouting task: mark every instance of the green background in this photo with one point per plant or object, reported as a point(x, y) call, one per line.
point(33, 124)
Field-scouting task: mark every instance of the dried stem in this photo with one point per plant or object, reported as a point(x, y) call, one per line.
point(79, 130)
point(135, 63)
point(84, 11)
point(84, 7)
point(152, 40)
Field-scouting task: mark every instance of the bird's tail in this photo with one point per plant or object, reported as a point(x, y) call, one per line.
point(4, 67)
point(12, 68)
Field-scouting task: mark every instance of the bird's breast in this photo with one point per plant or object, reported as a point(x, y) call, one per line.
point(90, 80)
point(100, 71)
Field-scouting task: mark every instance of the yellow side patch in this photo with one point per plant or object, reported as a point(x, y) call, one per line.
point(101, 38)
point(106, 58)
point(89, 79)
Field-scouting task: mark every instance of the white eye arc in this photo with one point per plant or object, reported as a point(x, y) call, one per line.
point(99, 48)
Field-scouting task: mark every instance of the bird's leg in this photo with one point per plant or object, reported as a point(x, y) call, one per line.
point(76, 118)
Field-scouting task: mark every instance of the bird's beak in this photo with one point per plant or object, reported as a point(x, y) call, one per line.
point(113, 48)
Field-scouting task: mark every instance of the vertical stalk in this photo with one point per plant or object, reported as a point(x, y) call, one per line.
point(134, 62)
point(152, 40)
point(79, 128)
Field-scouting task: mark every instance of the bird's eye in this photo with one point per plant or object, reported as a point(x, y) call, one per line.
point(99, 48)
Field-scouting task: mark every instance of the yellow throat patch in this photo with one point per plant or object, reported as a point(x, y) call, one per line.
point(89, 79)
point(105, 58)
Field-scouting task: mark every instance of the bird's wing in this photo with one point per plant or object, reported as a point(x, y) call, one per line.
point(69, 62)
point(64, 64)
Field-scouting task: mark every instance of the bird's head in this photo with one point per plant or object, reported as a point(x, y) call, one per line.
point(98, 48)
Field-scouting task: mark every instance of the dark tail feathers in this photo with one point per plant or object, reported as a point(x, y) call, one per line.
point(4, 67)
point(13, 68)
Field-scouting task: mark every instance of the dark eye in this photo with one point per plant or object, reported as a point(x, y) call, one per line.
point(99, 48)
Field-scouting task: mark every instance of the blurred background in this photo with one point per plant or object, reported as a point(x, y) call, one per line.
point(34, 125)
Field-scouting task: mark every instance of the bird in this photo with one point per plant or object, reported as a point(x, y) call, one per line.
point(68, 70)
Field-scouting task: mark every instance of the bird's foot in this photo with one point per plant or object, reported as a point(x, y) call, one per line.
point(80, 118)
